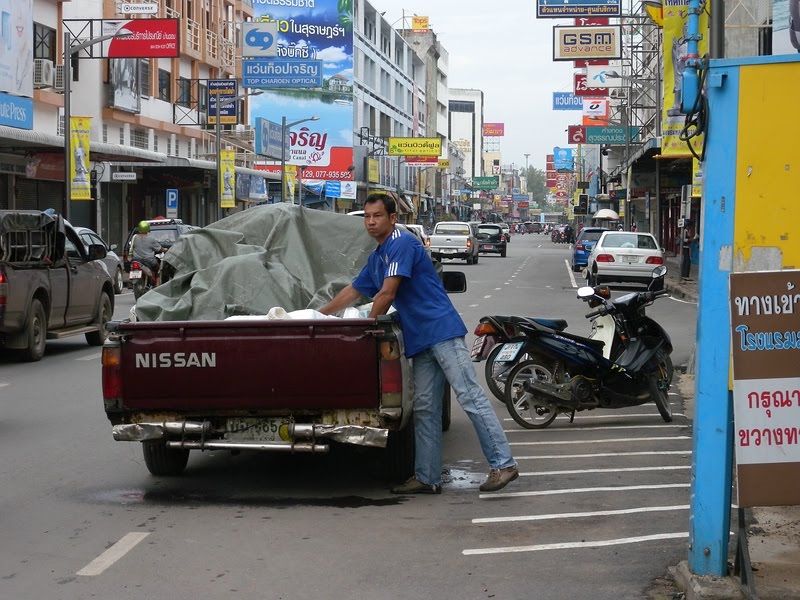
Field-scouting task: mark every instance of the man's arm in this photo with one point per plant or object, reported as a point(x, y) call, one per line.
point(384, 298)
point(347, 297)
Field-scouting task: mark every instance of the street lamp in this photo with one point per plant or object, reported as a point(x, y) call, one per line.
point(218, 131)
point(69, 51)
point(284, 127)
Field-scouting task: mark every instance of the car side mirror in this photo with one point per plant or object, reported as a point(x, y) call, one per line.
point(455, 282)
point(97, 252)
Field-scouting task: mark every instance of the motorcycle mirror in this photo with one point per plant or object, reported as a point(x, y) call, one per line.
point(585, 292)
point(659, 271)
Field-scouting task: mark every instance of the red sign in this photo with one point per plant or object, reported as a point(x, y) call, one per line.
point(588, 21)
point(580, 64)
point(550, 158)
point(523, 204)
point(340, 167)
point(494, 129)
point(149, 38)
point(582, 87)
point(576, 134)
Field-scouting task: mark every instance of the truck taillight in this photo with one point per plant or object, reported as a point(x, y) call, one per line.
point(112, 382)
point(391, 374)
point(3, 291)
point(428, 241)
point(469, 243)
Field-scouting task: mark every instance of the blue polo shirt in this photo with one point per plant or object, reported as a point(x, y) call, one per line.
point(427, 316)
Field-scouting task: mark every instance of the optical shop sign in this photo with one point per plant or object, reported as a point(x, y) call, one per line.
point(765, 318)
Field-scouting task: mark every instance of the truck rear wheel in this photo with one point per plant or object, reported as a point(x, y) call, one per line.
point(400, 454)
point(161, 460)
point(36, 332)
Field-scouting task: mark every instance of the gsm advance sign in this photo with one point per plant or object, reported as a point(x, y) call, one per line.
point(578, 43)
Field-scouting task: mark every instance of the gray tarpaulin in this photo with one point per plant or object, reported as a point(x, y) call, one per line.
point(266, 256)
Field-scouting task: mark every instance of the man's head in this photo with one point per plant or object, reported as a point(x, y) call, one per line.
point(143, 227)
point(380, 215)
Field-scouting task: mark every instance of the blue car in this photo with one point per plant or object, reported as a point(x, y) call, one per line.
point(586, 240)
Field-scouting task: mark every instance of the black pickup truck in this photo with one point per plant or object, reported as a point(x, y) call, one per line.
point(51, 285)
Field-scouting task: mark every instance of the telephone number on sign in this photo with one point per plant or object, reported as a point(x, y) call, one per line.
point(324, 174)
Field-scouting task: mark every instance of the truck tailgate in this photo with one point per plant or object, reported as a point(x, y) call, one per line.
point(250, 365)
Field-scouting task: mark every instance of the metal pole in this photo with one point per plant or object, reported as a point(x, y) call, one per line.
point(300, 185)
point(283, 160)
point(716, 41)
point(67, 146)
point(220, 183)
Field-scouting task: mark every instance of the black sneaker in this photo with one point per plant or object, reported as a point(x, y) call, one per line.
point(499, 478)
point(414, 486)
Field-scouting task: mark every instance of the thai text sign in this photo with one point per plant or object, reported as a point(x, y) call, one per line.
point(271, 73)
point(415, 146)
point(765, 345)
point(574, 43)
point(494, 129)
point(148, 38)
point(221, 93)
point(610, 135)
point(485, 183)
point(567, 101)
point(560, 9)
point(268, 139)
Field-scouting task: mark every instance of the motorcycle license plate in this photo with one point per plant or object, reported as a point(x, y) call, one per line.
point(136, 275)
point(509, 351)
point(477, 347)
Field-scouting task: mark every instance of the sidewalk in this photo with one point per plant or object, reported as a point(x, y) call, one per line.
point(773, 532)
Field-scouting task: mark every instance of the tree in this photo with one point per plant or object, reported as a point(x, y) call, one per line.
point(537, 184)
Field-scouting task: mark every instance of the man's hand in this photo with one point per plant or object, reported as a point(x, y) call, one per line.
point(347, 297)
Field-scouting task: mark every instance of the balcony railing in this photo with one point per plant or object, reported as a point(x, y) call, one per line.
point(193, 34)
point(228, 54)
point(212, 45)
point(171, 13)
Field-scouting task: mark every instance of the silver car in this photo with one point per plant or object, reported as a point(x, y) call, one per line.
point(112, 262)
point(625, 257)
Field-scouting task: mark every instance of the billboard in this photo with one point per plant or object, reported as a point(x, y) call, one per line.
point(419, 24)
point(125, 84)
point(149, 38)
point(317, 31)
point(80, 187)
point(268, 139)
point(494, 129)
point(581, 43)
point(16, 47)
point(567, 101)
point(415, 146)
point(221, 92)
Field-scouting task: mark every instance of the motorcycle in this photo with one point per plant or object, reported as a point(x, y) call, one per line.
point(566, 373)
point(143, 278)
point(499, 340)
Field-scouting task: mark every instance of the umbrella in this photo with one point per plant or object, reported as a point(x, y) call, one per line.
point(607, 214)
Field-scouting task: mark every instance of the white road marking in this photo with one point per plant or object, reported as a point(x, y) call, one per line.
point(604, 454)
point(487, 297)
point(614, 470)
point(592, 428)
point(498, 289)
point(621, 488)
point(580, 515)
point(4, 384)
point(474, 305)
point(92, 357)
point(681, 301)
point(113, 554)
point(609, 441)
point(571, 273)
point(576, 545)
point(614, 416)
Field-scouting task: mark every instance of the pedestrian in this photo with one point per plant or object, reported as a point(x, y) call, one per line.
point(399, 272)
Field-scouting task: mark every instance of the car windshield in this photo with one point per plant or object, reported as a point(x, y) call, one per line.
point(453, 229)
point(490, 230)
point(591, 236)
point(163, 236)
point(629, 240)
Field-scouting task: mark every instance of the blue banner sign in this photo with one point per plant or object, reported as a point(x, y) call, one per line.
point(16, 111)
point(567, 101)
point(281, 73)
point(562, 159)
point(222, 91)
point(561, 9)
point(610, 135)
point(268, 139)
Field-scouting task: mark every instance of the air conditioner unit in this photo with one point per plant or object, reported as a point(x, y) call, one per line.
point(58, 82)
point(43, 74)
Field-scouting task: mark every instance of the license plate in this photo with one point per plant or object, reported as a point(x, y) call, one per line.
point(259, 430)
point(136, 275)
point(449, 250)
point(487, 247)
point(630, 259)
point(509, 351)
point(477, 347)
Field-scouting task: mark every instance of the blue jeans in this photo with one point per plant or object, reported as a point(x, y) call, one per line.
point(450, 360)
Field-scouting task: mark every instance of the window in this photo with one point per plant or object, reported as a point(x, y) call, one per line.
point(462, 106)
point(155, 143)
point(139, 138)
point(164, 84)
point(122, 136)
point(44, 42)
point(184, 92)
point(169, 146)
point(201, 97)
point(144, 78)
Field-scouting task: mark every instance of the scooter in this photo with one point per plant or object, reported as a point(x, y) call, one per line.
point(567, 373)
point(143, 278)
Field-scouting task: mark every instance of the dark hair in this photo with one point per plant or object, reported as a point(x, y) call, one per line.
point(388, 202)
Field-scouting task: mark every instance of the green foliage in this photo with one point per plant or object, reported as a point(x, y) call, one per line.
point(346, 14)
point(537, 184)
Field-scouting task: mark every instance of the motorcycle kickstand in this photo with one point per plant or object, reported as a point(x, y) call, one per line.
point(572, 416)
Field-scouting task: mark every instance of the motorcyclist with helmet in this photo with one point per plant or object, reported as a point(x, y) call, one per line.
point(144, 248)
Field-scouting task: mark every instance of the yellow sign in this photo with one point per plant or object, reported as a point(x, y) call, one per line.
point(419, 24)
point(227, 179)
point(81, 185)
point(415, 146)
point(444, 163)
point(288, 186)
point(373, 170)
point(697, 178)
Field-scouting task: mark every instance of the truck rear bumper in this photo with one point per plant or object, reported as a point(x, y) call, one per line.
point(201, 435)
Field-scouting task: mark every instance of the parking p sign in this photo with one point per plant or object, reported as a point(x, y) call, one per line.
point(172, 204)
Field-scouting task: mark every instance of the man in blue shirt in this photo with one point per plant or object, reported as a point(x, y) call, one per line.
point(399, 272)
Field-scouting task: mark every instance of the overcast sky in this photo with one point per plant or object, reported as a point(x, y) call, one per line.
point(500, 47)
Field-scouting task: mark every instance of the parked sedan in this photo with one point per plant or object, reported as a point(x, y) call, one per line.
point(584, 243)
point(625, 257)
point(112, 262)
point(491, 238)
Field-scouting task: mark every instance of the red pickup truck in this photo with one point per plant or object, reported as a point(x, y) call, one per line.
point(283, 386)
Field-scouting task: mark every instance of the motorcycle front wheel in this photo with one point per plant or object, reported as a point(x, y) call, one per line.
point(659, 383)
point(523, 406)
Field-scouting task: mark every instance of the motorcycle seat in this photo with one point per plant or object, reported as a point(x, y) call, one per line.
point(556, 324)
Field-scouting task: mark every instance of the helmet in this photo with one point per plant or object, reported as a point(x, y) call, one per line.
point(143, 227)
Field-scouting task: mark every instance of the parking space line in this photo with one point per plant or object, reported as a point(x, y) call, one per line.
point(581, 515)
point(589, 490)
point(576, 545)
point(607, 441)
point(592, 428)
point(92, 357)
point(487, 297)
point(605, 454)
point(570, 273)
point(614, 470)
point(113, 554)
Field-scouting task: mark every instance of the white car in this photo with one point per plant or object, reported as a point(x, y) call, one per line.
point(625, 257)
